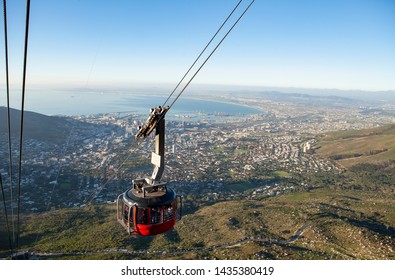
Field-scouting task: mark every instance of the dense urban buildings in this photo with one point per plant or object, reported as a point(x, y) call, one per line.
point(210, 156)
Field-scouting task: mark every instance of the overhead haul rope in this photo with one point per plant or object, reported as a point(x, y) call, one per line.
point(208, 44)
point(5, 211)
point(9, 132)
point(22, 118)
point(212, 52)
point(90, 198)
point(193, 64)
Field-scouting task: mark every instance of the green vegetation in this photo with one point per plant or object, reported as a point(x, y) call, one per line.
point(349, 148)
point(350, 215)
point(281, 174)
point(37, 126)
point(368, 155)
point(219, 150)
point(241, 151)
point(342, 224)
point(240, 187)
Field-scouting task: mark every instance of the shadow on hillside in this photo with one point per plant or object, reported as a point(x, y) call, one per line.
point(375, 226)
point(173, 236)
point(369, 223)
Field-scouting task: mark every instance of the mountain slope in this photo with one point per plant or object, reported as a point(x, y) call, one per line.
point(349, 148)
point(36, 126)
point(319, 224)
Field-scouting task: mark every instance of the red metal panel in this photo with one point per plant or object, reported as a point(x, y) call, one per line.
point(155, 229)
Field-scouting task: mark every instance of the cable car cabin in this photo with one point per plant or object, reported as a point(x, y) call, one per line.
point(150, 207)
point(148, 210)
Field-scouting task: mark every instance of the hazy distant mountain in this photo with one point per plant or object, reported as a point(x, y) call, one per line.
point(36, 126)
point(305, 98)
point(280, 92)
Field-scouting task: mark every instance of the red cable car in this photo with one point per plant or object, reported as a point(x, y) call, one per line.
point(150, 207)
point(148, 212)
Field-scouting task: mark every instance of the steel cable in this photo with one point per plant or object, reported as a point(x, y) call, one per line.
point(22, 119)
point(212, 52)
point(10, 173)
point(208, 44)
point(6, 215)
point(92, 197)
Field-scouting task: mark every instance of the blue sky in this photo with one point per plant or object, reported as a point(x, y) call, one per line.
point(344, 44)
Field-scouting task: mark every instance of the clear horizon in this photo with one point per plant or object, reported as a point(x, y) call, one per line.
point(59, 97)
point(345, 45)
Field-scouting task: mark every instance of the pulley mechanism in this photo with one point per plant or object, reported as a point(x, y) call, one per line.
point(150, 207)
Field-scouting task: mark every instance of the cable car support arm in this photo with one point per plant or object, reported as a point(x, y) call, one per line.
point(156, 120)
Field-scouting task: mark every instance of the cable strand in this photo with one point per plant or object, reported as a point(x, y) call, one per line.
point(22, 119)
point(201, 53)
point(213, 51)
point(10, 173)
point(6, 215)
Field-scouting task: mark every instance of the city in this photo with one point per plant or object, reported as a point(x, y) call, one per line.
point(211, 158)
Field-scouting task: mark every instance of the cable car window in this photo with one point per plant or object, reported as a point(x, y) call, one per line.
point(142, 216)
point(168, 213)
point(156, 215)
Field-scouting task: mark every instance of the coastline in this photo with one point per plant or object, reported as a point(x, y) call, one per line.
point(75, 104)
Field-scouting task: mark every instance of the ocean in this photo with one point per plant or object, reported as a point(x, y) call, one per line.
point(71, 103)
